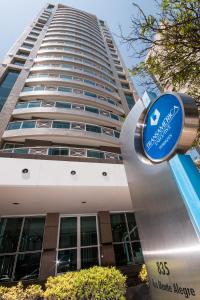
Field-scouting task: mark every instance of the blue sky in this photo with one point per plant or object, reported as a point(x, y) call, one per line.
point(15, 15)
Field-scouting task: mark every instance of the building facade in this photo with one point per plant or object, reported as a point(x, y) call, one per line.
point(64, 198)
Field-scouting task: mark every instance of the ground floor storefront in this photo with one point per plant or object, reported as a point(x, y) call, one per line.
point(34, 247)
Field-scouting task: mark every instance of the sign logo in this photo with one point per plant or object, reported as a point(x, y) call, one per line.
point(155, 117)
point(162, 127)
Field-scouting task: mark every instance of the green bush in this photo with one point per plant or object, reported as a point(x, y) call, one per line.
point(91, 284)
point(94, 283)
point(33, 292)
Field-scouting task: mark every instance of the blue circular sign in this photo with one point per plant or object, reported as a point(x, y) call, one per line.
point(163, 126)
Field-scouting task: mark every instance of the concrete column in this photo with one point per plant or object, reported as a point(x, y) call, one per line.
point(107, 250)
point(48, 259)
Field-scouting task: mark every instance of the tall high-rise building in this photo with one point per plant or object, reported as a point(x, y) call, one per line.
point(64, 198)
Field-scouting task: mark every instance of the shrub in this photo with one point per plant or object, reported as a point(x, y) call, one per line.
point(94, 283)
point(143, 275)
point(33, 292)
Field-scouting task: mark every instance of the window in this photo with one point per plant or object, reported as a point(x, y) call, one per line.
point(64, 89)
point(21, 105)
point(126, 241)
point(125, 85)
point(63, 105)
point(28, 124)
point(78, 243)
point(95, 154)
point(130, 100)
point(58, 151)
point(14, 125)
point(20, 247)
point(92, 109)
point(18, 62)
point(6, 86)
point(60, 124)
point(90, 94)
point(22, 53)
point(93, 128)
point(27, 46)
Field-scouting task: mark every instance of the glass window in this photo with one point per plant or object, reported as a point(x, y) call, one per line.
point(89, 81)
point(119, 230)
point(115, 117)
point(67, 260)
point(9, 234)
point(126, 241)
point(88, 231)
point(14, 125)
point(6, 85)
point(21, 151)
point(122, 254)
point(18, 62)
point(130, 100)
point(68, 232)
point(39, 88)
point(93, 128)
point(6, 263)
point(58, 151)
point(27, 266)
point(90, 94)
point(59, 124)
point(117, 134)
point(66, 77)
point(28, 124)
point(95, 154)
point(63, 105)
point(91, 109)
point(64, 89)
point(22, 53)
point(32, 234)
point(21, 105)
point(20, 235)
point(27, 46)
point(78, 243)
point(34, 104)
point(89, 257)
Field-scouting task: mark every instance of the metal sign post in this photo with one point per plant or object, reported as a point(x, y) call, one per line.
point(170, 240)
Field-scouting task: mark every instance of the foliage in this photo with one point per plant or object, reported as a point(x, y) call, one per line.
point(94, 283)
point(18, 292)
point(143, 275)
point(169, 40)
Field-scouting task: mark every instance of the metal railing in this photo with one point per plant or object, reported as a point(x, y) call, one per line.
point(68, 106)
point(63, 125)
point(64, 151)
point(74, 78)
point(70, 90)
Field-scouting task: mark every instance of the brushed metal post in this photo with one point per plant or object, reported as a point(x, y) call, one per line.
point(169, 240)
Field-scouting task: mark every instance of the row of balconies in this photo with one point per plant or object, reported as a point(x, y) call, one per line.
point(76, 45)
point(70, 90)
point(74, 59)
point(77, 29)
point(63, 110)
point(71, 50)
point(77, 33)
point(57, 131)
point(72, 64)
point(63, 78)
point(64, 152)
point(71, 37)
point(78, 20)
point(69, 24)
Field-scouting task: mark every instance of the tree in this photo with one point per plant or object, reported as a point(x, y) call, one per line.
point(168, 45)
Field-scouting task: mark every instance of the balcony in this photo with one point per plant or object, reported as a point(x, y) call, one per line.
point(64, 152)
point(63, 110)
point(76, 95)
point(62, 132)
point(77, 82)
